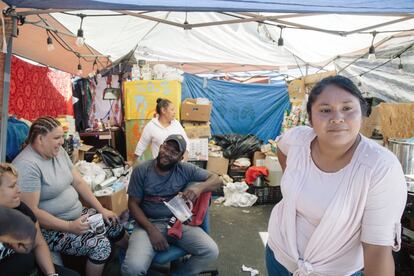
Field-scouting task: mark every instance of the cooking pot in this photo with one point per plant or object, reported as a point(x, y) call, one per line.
point(405, 153)
point(259, 181)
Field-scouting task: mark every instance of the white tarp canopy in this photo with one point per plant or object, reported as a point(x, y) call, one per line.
point(309, 39)
point(312, 42)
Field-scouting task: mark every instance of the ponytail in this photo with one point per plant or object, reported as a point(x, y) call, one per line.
point(162, 103)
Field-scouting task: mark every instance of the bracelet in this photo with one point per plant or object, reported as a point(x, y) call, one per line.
point(53, 274)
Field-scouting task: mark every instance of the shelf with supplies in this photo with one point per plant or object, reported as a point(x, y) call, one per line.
point(114, 137)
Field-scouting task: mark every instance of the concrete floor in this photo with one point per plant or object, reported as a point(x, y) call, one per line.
point(236, 231)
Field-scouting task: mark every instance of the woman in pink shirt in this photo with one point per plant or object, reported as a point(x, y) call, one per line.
point(343, 195)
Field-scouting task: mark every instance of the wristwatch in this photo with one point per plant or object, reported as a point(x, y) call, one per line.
point(53, 274)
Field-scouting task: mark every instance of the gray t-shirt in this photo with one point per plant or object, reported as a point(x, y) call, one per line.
point(53, 178)
point(147, 184)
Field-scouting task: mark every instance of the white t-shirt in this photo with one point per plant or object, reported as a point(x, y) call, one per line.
point(316, 195)
point(155, 134)
point(323, 217)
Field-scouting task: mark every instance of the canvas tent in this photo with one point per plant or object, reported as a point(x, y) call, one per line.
point(219, 36)
point(227, 36)
point(232, 47)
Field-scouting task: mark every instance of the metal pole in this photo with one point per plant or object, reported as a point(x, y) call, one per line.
point(6, 93)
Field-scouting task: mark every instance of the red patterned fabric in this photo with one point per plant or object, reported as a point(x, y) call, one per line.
point(37, 91)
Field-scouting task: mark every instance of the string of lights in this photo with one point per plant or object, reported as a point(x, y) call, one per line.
point(62, 42)
point(400, 66)
point(52, 35)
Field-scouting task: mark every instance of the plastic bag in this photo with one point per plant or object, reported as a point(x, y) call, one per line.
point(235, 145)
point(111, 157)
point(91, 173)
point(236, 195)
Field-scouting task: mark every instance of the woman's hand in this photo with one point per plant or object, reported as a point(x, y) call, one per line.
point(79, 226)
point(109, 216)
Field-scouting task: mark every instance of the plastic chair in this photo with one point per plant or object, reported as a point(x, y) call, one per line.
point(175, 253)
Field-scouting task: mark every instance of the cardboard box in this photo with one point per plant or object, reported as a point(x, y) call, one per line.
point(79, 154)
point(117, 202)
point(198, 149)
point(218, 165)
point(197, 129)
point(82, 150)
point(191, 111)
point(297, 91)
point(259, 159)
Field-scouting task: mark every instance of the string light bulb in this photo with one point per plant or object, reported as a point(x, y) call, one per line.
point(50, 46)
point(80, 72)
point(187, 25)
point(80, 40)
point(371, 51)
point(400, 66)
point(359, 80)
point(280, 41)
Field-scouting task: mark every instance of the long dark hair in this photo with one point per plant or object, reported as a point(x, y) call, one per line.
point(41, 126)
point(162, 103)
point(341, 82)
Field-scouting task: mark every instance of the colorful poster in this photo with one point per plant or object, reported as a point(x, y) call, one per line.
point(141, 97)
point(133, 131)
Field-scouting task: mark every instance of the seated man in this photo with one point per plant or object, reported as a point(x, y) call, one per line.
point(17, 234)
point(153, 182)
point(16, 230)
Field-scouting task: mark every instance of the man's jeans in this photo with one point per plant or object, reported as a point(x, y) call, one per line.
point(274, 268)
point(194, 240)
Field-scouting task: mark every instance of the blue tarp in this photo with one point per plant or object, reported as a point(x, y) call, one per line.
point(17, 132)
point(326, 6)
point(241, 108)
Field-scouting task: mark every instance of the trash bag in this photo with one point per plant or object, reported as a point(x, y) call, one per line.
point(236, 145)
point(111, 157)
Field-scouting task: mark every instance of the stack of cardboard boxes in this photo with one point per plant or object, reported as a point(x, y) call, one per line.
point(195, 117)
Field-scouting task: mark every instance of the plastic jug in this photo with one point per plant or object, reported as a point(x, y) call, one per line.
point(180, 208)
point(275, 170)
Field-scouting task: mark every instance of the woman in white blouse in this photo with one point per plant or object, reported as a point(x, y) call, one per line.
point(343, 195)
point(159, 128)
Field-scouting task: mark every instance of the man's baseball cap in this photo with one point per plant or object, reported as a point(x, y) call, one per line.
point(182, 144)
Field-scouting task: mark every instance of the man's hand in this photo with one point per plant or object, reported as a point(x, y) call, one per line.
point(158, 241)
point(192, 193)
